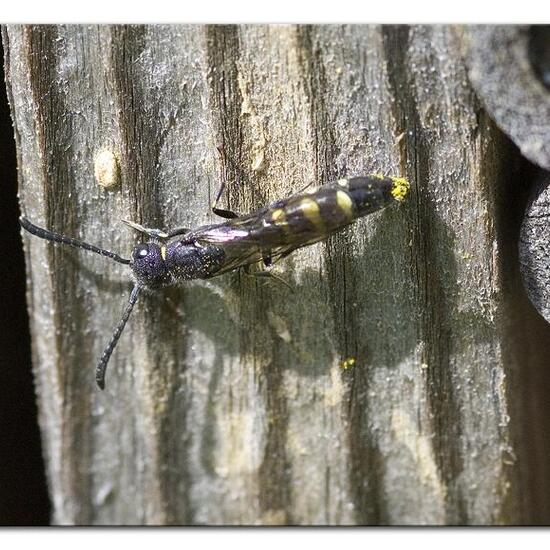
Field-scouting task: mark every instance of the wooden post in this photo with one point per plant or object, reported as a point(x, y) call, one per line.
point(227, 401)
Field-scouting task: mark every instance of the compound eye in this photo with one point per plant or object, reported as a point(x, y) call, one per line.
point(141, 251)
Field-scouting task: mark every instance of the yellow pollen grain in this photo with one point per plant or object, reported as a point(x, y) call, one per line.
point(311, 211)
point(163, 252)
point(348, 363)
point(345, 203)
point(400, 188)
point(343, 182)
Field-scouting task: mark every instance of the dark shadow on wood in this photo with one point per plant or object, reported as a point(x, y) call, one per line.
point(527, 352)
point(23, 491)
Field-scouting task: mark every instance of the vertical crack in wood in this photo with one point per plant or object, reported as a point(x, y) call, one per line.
point(54, 136)
point(256, 340)
point(365, 473)
point(434, 302)
point(140, 105)
point(417, 431)
point(525, 342)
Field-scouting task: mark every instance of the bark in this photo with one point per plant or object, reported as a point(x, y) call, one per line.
point(227, 401)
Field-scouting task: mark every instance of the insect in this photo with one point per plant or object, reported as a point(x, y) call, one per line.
point(269, 234)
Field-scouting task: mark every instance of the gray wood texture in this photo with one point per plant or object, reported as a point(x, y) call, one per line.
point(226, 400)
point(504, 74)
point(534, 246)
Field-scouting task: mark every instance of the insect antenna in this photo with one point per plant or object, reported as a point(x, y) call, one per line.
point(102, 366)
point(58, 238)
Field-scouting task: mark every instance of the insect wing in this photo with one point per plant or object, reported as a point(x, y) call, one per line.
point(248, 239)
point(299, 220)
point(239, 242)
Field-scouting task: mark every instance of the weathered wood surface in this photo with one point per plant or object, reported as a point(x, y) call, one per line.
point(534, 246)
point(503, 71)
point(225, 400)
point(509, 69)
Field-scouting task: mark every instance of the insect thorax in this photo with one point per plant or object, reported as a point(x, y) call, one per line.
point(158, 265)
point(190, 260)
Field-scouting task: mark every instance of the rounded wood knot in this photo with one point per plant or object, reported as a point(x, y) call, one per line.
point(534, 247)
point(509, 66)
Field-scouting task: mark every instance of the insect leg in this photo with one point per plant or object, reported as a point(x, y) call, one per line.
point(178, 231)
point(227, 214)
point(307, 186)
point(102, 366)
point(157, 233)
point(265, 273)
point(268, 274)
point(153, 233)
point(279, 257)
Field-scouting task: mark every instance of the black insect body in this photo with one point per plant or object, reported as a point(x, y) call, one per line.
point(169, 258)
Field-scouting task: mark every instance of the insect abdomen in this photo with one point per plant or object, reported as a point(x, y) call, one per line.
point(334, 205)
point(372, 193)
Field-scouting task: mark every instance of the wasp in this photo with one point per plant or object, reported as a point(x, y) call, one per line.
point(269, 234)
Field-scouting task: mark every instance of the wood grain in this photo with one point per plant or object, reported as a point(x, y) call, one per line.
point(502, 62)
point(226, 401)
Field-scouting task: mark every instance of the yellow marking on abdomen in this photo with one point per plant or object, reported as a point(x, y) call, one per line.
point(345, 203)
point(311, 211)
point(163, 252)
point(278, 216)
